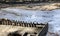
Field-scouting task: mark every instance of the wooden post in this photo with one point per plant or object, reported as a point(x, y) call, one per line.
point(23, 24)
point(26, 25)
point(33, 24)
point(29, 25)
point(18, 23)
point(2, 21)
point(7, 22)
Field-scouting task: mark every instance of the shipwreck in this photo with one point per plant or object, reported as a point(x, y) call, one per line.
point(27, 29)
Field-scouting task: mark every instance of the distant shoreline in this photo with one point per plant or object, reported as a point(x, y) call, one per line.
point(34, 6)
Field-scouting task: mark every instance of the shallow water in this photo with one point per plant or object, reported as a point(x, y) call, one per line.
point(52, 17)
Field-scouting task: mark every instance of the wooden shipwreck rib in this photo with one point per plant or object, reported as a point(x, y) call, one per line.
point(40, 29)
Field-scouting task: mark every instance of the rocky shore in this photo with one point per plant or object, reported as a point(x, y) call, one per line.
point(33, 6)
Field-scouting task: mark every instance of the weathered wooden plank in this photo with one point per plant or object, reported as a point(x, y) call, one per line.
point(30, 28)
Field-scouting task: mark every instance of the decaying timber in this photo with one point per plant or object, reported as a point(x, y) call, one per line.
point(29, 29)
